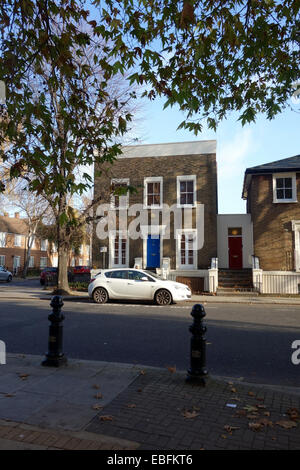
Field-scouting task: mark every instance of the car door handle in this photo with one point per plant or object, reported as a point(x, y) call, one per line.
point(130, 283)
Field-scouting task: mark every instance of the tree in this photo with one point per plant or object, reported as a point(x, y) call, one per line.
point(209, 57)
point(60, 112)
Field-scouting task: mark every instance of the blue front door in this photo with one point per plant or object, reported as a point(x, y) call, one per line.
point(153, 251)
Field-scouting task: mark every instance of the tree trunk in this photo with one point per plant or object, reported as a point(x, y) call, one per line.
point(63, 261)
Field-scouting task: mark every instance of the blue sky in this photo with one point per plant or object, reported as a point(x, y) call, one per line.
point(237, 147)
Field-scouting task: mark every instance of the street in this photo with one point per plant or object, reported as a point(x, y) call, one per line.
point(250, 342)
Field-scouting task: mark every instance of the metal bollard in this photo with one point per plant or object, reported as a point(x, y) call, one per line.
point(55, 356)
point(197, 372)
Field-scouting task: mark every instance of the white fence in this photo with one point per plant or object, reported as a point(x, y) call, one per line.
point(276, 282)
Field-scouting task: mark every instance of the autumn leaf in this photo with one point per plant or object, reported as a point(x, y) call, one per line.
point(96, 386)
point(229, 429)
point(250, 408)
point(142, 372)
point(106, 418)
point(190, 414)
point(172, 369)
point(293, 414)
point(131, 405)
point(255, 426)
point(97, 407)
point(98, 396)
point(251, 394)
point(286, 424)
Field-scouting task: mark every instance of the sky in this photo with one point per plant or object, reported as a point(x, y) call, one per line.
point(238, 147)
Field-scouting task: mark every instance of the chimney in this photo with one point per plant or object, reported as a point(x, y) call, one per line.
point(17, 215)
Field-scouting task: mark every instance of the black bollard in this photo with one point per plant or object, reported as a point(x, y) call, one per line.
point(197, 372)
point(55, 356)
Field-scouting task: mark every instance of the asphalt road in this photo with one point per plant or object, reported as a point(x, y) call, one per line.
point(252, 342)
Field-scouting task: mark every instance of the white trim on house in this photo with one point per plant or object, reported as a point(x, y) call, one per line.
point(296, 230)
point(124, 199)
point(181, 178)
point(153, 179)
point(17, 240)
point(276, 176)
point(179, 233)
point(111, 259)
point(154, 230)
point(3, 239)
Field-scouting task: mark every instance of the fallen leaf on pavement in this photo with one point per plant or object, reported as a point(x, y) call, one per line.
point(96, 386)
point(131, 405)
point(23, 376)
point(190, 414)
point(98, 396)
point(286, 424)
point(142, 372)
point(106, 418)
point(9, 395)
point(251, 394)
point(229, 429)
point(241, 412)
point(97, 407)
point(172, 369)
point(250, 408)
point(255, 426)
point(293, 414)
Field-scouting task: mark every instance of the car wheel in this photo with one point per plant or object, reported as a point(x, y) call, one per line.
point(163, 297)
point(100, 295)
point(9, 279)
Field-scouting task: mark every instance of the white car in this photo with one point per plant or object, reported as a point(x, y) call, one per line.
point(5, 275)
point(135, 284)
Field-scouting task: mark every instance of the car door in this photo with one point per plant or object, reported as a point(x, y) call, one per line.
point(139, 287)
point(2, 274)
point(117, 284)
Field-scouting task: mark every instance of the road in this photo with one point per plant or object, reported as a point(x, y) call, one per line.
point(252, 342)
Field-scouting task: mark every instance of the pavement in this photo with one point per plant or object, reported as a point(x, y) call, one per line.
point(90, 405)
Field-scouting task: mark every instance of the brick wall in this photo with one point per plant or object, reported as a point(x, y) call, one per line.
point(272, 228)
point(169, 167)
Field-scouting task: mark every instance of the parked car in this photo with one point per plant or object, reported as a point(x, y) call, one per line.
point(136, 284)
point(81, 269)
point(52, 271)
point(45, 272)
point(5, 275)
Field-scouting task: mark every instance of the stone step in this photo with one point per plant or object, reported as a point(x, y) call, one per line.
point(232, 291)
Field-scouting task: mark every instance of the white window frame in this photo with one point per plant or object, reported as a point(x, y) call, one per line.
point(16, 262)
point(18, 240)
point(43, 264)
point(179, 234)
point(124, 199)
point(112, 262)
point(44, 244)
point(31, 262)
point(2, 260)
point(3, 239)
point(294, 187)
point(180, 179)
point(153, 179)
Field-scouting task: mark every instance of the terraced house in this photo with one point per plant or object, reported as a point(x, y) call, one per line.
point(169, 223)
point(272, 192)
point(14, 246)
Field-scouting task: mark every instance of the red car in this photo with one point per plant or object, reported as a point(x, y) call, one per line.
point(46, 271)
point(81, 269)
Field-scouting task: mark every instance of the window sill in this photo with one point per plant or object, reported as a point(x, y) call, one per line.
point(284, 201)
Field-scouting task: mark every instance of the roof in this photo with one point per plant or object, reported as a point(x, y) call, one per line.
point(169, 149)
point(13, 225)
point(279, 166)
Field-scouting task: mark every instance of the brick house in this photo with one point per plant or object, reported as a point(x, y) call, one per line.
point(13, 245)
point(272, 192)
point(176, 191)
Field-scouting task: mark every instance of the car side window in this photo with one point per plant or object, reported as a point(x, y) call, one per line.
point(119, 274)
point(108, 274)
point(137, 276)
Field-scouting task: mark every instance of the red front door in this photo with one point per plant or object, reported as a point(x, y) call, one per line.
point(235, 252)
